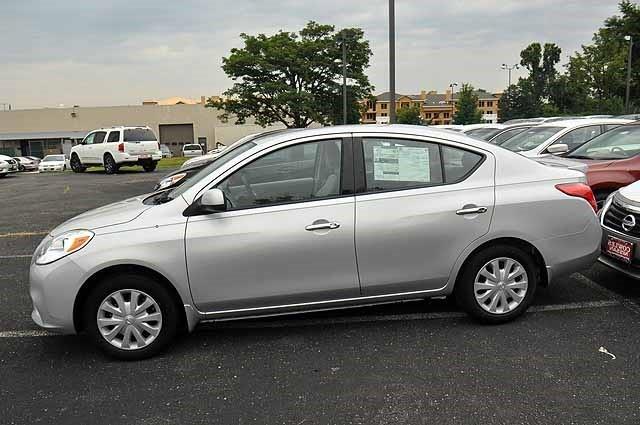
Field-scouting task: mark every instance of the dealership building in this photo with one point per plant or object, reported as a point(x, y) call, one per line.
point(175, 121)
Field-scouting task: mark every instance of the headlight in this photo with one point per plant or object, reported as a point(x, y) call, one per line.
point(170, 181)
point(63, 245)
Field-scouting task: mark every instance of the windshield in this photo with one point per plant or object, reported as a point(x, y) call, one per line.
point(507, 134)
point(619, 143)
point(531, 138)
point(485, 133)
point(230, 153)
point(139, 135)
point(50, 158)
point(192, 147)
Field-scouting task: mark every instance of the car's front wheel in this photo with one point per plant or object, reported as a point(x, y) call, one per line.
point(497, 284)
point(130, 316)
point(76, 164)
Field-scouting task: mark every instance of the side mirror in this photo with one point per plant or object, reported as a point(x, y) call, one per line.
point(212, 201)
point(558, 148)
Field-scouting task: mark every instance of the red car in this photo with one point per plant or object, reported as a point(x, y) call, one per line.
point(612, 159)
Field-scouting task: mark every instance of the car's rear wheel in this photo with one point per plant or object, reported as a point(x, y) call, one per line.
point(497, 284)
point(110, 166)
point(149, 166)
point(76, 164)
point(130, 316)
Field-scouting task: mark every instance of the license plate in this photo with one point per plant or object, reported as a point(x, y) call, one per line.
point(144, 156)
point(620, 249)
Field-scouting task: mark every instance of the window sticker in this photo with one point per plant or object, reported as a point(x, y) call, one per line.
point(401, 163)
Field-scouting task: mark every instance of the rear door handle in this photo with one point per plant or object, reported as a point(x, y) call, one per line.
point(472, 210)
point(320, 226)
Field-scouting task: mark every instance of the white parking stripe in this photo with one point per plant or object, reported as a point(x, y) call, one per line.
point(239, 324)
point(624, 301)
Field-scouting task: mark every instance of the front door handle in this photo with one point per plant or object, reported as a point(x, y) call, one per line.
point(324, 225)
point(472, 210)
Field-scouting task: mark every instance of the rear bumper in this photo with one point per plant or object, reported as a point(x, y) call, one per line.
point(125, 158)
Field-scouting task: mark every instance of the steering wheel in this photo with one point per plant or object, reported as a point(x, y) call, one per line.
point(247, 186)
point(619, 150)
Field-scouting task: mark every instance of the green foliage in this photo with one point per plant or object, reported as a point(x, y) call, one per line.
point(409, 115)
point(295, 78)
point(467, 107)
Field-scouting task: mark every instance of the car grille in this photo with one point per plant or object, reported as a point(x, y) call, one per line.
point(614, 216)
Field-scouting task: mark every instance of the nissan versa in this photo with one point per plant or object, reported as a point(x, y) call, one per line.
point(304, 220)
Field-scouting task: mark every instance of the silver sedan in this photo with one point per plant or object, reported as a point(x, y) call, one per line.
point(305, 220)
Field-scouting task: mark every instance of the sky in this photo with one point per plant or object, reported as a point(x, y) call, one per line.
point(120, 52)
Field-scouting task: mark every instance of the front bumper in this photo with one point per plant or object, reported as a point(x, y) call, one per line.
point(53, 289)
point(631, 270)
point(52, 168)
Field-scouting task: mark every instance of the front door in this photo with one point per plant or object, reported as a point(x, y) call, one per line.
point(423, 204)
point(286, 238)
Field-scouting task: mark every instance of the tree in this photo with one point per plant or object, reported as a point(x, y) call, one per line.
point(295, 78)
point(409, 115)
point(467, 106)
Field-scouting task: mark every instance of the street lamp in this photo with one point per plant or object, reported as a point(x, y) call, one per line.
point(344, 80)
point(451, 86)
point(626, 101)
point(509, 68)
point(392, 62)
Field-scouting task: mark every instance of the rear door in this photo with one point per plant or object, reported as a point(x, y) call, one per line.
point(141, 142)
point(421, 203)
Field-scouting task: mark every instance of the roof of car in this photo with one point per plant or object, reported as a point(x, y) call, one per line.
point(583, 122)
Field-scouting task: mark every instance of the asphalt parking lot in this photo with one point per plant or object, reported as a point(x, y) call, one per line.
point(415, 363)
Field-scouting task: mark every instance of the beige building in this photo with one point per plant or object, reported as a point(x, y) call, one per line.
point(55, 130)
point(436, 108)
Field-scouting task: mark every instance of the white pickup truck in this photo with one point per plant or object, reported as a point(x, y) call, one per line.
point(115, 147)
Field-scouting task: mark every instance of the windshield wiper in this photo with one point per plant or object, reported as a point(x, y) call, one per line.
point(578, 156)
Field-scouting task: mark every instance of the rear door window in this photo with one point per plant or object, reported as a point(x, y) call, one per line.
point(114, 136)
point(396, 164)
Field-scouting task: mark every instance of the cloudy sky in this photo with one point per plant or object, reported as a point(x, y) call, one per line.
point(115, 52)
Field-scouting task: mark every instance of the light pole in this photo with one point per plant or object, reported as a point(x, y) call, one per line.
point(453, 108)
point(344, 80)
point(392, 62)
point(626, 101)
point(509, 68)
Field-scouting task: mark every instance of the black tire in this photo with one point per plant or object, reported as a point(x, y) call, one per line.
point(465, 293)
point(110, 166)
point(76, 164)
point(168, 308)
point(149, 166)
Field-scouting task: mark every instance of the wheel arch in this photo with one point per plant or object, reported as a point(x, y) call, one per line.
point(186, 322)
point(510, 241)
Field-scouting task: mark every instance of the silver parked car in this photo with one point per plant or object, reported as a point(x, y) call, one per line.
point(303, 220)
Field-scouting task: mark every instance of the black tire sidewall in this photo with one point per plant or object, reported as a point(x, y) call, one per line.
point(76, 164)
point(464, 290)
point(112, 168)
point(168, 308)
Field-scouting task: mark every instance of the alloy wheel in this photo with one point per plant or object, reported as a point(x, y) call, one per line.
point(501, 285)
point(129, 319)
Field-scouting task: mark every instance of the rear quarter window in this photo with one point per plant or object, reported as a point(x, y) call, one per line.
point(458, 164)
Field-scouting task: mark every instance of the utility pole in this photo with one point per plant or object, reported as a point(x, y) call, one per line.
point(392, 62)
point(626, 101)
point(344, 80)
point(453, 103)
point(509, 68)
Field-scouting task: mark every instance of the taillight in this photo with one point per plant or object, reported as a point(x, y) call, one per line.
point(120, 147)
point(579, 190)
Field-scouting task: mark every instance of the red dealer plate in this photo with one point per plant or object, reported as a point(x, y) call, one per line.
point(619, 248)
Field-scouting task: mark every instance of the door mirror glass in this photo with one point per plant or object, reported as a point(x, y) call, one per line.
point(558, 148)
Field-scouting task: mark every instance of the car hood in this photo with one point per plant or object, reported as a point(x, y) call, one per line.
point(631, 192)
point(557, 161)
point(108, 215)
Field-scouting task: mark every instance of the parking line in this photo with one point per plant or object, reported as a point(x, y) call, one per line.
point(23, 234)
point(624, 301)
point(240, 324)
